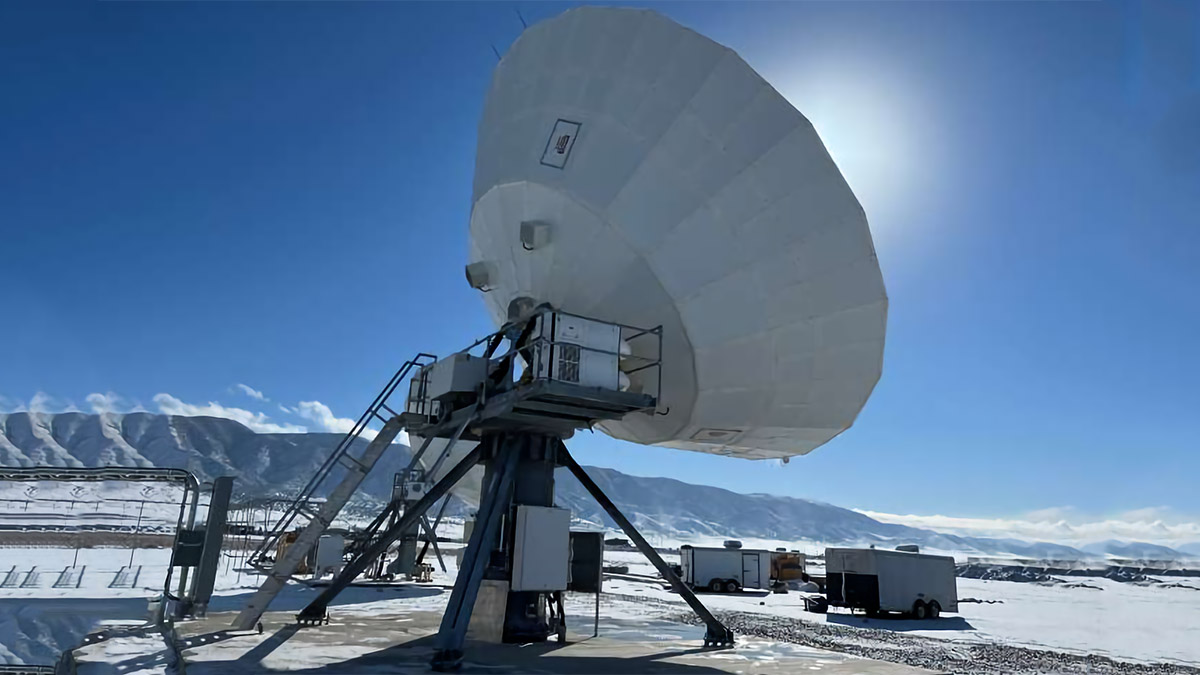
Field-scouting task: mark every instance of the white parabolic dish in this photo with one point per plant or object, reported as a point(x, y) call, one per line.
point(674, 186)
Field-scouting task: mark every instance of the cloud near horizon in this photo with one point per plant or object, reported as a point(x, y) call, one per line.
point(256, 421)
point(319, 413)
point(319, 416)
point(44, 403)
point(1064, 525)
point(251, 392)
point(112, 403)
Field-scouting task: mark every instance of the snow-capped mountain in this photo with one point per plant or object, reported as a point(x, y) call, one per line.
point(682, 511)
point(280, 464)
point(263, 464)
point(1134, 550)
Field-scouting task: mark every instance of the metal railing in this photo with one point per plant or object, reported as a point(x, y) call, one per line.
point(628, 364)
point(301, 503)
point(642, 364)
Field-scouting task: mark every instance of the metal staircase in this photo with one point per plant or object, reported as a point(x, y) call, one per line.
point(319, 515)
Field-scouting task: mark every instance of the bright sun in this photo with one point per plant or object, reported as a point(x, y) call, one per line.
point(878, 131)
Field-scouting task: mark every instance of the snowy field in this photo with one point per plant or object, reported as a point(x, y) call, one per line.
point(1118, 620)
point(1123, 621)
point(39, 620)
point(148, 507)
point(50, 597)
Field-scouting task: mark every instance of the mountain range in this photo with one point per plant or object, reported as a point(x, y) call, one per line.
point(281, 464)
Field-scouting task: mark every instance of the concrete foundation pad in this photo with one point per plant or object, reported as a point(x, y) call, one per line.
point(402, 642)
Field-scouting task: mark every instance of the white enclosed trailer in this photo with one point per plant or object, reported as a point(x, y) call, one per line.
point(881, 580)
point(328, 559)
point(724, 569)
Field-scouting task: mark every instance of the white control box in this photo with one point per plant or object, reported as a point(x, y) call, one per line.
point(577, 350)
point(457, 373)
point(330, 548)
point(541, 550)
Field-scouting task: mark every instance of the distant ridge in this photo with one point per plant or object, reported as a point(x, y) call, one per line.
point(280, 464)
point(264, 464)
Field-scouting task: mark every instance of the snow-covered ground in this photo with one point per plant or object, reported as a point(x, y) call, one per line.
point(364, 636)
point(51, 597)
point(1119, 620)
point(147, 507)
point(39, 621)
point(1122, 621)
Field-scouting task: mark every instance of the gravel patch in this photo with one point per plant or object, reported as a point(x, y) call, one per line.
point(938, 655)
point(942, 656)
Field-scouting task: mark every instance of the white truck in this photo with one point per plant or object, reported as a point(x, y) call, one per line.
point(724, 570)
point(880, 580)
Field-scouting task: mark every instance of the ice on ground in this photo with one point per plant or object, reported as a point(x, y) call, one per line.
point(133, 652)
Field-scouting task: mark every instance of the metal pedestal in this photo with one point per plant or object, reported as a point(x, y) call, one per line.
point(519, 424)
point(520, 471)
point(406, 558)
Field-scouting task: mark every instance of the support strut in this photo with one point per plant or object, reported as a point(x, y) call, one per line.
point(717, 634)
point(368, 534)
point(431, 538)
point(425, 549)
point(285, 566)
point(315, 612)
point(493, 504)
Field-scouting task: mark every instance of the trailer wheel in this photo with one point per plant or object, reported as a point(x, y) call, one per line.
point(919, 610)
point(935, 610)
point(716, 586)
point(731, 586)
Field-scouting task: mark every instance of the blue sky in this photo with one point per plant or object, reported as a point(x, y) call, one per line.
point(194, 196)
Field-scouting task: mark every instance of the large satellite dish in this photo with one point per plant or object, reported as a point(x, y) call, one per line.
point(632, 170)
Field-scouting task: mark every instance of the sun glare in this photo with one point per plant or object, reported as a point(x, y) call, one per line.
point(877, 128)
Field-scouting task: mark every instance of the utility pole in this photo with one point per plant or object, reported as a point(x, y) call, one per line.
point(136, 529)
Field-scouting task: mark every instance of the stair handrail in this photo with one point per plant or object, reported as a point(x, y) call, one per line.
point(271, 538)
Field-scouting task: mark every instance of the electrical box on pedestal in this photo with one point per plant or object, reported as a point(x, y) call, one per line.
point(541, 549)
point(587, 562)
point(456, 374)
